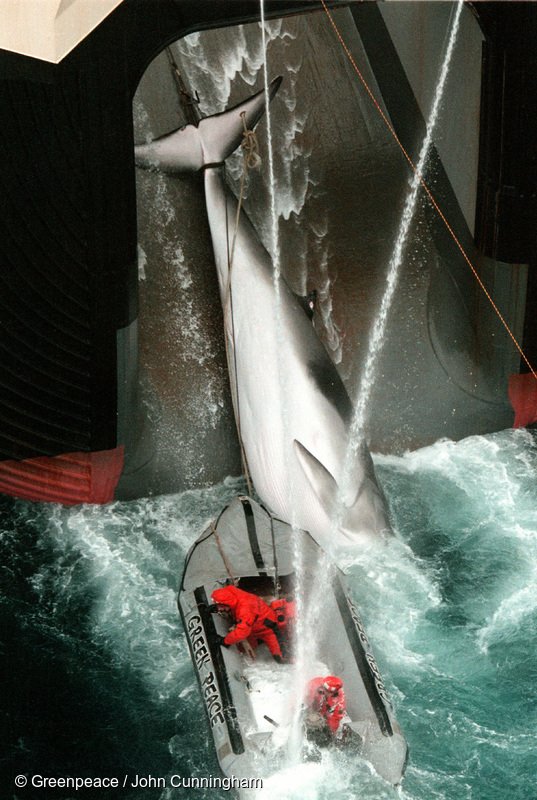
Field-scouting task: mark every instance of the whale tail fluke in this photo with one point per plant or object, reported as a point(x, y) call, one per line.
point(215, 138)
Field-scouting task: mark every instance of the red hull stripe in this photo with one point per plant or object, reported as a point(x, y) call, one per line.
point(69, 479)
point(523, 397)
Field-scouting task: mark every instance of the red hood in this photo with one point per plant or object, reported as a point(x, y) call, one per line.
point(227, 596)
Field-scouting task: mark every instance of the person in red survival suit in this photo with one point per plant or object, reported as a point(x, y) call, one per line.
point(285, 614)
point(326, 696)
point(286, 619)
point(254, 619)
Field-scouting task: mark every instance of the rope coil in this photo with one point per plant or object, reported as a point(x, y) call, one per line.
point(250, 147)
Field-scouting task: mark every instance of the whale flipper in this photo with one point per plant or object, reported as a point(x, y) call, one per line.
point(361, 501)
point(326, 487)
point(322, 481)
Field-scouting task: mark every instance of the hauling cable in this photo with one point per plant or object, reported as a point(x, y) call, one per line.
point(429, 194)
point(251, 160)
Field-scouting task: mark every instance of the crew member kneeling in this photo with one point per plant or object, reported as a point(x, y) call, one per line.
point(326, 697)
point(254, 620)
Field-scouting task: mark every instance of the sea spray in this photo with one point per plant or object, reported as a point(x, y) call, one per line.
point(300, 654)
point(307, 609)
point(378, 331)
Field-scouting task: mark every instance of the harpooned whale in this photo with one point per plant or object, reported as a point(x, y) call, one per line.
point(291, 406)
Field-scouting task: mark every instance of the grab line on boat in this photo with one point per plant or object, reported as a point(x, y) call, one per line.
point(370, 684)
point(224, 559)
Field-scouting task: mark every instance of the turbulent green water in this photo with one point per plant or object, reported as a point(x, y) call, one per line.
point(97, 680)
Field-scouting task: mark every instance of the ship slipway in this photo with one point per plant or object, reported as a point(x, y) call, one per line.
point(74, 425)
point(249, 704)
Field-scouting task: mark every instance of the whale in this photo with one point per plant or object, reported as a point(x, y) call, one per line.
point(292, 409)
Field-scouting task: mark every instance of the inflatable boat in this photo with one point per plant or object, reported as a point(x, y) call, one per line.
point(253, 704)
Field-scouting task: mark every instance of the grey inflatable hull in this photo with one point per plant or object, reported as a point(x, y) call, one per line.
point(250, 704)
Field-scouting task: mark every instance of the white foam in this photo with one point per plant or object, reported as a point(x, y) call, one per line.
point(335, 777)
point(132, 612)
point(142, 263)
point(510, 614)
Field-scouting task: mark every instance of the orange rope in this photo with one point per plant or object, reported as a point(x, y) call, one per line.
point(429, 195)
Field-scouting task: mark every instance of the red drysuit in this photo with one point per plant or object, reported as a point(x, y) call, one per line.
point(330, 704)
point(251, 615)
point(285, 614)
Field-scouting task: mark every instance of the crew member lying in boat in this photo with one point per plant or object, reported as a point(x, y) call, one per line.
point(254, 620)
point(324, 716)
